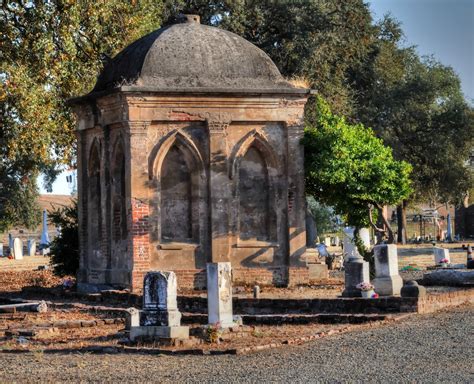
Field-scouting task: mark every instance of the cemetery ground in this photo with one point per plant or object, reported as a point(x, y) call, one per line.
point(431, 348)
point(81, 335)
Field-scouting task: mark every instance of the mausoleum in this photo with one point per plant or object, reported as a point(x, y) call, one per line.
point(189, 152)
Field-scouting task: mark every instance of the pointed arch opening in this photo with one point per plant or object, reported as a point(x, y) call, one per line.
point(176, 195)
point(254, 196)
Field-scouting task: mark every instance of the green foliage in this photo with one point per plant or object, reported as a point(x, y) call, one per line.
point(65, 247)
point(52, 50)
point(349, 169)
point(416, 106)
point(324, 217)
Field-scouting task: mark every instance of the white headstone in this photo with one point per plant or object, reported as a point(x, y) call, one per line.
point(440, 254)
point(364, 234)
point(350, 249)
point(327, 241)
point(387, 280)
point(1, 249)
point(219, 294)
point(17, 249)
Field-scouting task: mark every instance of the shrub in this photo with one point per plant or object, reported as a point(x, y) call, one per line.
point(65, 247)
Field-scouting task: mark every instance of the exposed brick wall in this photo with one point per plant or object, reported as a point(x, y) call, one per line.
point(298, 276)
point(140, 243)
point(434, 303)
point(196, 278)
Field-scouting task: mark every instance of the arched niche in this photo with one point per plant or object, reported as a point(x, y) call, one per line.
point(256, 171)
point(254, 196)
point(181, 196)
point(94, 227)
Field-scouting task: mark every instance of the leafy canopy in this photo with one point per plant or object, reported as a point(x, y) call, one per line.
point(349, 168)
point(50, 51)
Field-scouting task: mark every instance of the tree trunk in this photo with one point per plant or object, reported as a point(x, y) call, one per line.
point(387, 226)
point(402, 222)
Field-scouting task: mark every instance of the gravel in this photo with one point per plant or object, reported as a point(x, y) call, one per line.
point(424, 348)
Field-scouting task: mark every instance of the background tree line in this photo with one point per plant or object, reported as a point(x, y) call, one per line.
point(52, 50)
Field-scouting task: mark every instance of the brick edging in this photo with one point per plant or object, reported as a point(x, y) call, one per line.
point(95, 349)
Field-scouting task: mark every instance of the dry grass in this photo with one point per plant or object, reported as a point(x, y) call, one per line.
point(300, 82)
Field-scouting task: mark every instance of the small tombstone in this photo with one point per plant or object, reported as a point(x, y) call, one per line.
point(1, 249)
point(160, 318)
point(160, 304)
point(256, 292)
point(327, 241)
point(219, 294)
point(440, 254)
point(356, 270)
point(132, 319)
point(17, 249)
point(387, 280)
point(31, 246)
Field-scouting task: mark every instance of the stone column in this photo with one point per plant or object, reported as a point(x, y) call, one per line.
point(136, 191)
point(296, 205)
point(219, 294)
point(82, 197)
point(220, 192)
point(356, 270)
point(387, 281)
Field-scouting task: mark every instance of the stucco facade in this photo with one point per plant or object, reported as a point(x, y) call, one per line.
point(173, 174)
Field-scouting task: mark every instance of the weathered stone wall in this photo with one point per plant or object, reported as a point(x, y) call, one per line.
point(175, 182)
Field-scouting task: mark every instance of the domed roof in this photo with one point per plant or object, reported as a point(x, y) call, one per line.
point(194, 57)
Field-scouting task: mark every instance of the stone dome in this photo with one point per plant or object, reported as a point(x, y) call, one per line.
point(194, 57)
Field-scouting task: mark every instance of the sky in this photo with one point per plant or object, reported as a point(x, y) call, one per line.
point(442, 28)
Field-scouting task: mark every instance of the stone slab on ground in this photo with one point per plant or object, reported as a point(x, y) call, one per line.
point(157, 332)
point(449, 277)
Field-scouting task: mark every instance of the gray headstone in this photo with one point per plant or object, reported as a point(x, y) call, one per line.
point(387, 280)
point(31, 247)
point(1, 249)
point(219, 294)
point(355, 272)
point(160, 306)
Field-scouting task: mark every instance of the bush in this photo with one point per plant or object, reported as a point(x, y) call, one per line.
point(65, 247)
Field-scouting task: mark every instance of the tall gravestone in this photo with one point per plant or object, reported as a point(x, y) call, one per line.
point(219, 294)
point(387, 280)
point(160, 317)
point(17, 249)
point(1, 249)
point(356, 270)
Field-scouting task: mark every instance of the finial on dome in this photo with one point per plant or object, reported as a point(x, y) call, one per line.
point(191, 19)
